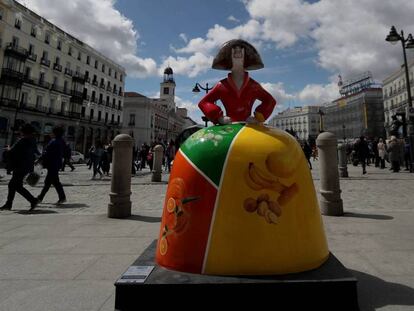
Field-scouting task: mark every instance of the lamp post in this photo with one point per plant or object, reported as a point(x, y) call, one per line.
point(321, 127)
point(407, 43)
point(196, 89)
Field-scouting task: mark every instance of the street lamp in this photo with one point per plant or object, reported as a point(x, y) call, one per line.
point(321, 127)
point(196, 89)
point(343, 130)
point(407, 43)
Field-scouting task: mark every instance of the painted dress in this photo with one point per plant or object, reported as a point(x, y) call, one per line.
point(241, 201)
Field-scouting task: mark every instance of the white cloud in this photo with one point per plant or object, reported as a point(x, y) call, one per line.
point(183, 36)
point(317, 94)
point(99, 24)
point(191, 66)
point(231, 18)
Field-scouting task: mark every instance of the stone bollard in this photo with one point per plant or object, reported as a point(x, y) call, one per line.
point(331, 202)
point(343, 161)
point(120, 196)
point(157, 165)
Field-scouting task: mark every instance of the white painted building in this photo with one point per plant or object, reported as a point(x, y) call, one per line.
point(395, 92)
point(304, 121)
point(50, 78)
point(154, 119)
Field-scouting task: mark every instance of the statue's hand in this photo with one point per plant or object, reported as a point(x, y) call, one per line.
point(224, 120)
point(252, 120)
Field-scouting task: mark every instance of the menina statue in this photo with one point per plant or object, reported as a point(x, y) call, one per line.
point(240, 199)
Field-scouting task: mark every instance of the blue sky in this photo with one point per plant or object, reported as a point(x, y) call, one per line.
point(304, 44)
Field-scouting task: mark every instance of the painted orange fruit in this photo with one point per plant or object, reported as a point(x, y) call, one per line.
point(171, 205)
point(163, 245)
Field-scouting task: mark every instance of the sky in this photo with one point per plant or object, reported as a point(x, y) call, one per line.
point(304, 45)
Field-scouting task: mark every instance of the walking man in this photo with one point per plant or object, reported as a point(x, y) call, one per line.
point(362, 152)
point(52, 161)
point(21, 159)
point(67, 155)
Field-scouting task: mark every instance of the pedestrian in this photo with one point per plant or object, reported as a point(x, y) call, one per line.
point(394, 151)
point(67, 156)
point(5, 159)
point(105, 165)
point(170, 154)
point(90, 156)
point(362, 152)
point(96, 159)
point(314, 153)
point(407, 157)
point(308, 152)
point(51, 159)
point(381, 152)
point(21, 158)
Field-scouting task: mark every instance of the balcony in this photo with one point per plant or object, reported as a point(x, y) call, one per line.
point(57, 67)
point(120, 93)
point(12, 74)
point(45, 62)
point(95, 82)
point(76, 94)
point(100, 102)
point(8, 102)
point(68, 71)
point(102, 85)
point(16, 50)
point(86, 97)
point(79, 77)
point(87, 80)
point(57, 88)
point(109, 88)
point(43, 83)
point(32, 57)
point(93, 100)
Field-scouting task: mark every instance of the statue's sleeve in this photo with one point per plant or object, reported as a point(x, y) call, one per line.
point(208, 106)
point(265, 109)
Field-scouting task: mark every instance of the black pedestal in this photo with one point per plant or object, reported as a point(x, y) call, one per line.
point(330, 287)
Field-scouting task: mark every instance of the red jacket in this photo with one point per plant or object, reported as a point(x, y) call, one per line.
point(238, 103)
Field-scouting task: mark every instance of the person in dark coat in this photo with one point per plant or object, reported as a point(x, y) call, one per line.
point(67, 155)
point(307, 150)
point(51, 159)
point(362, 152)
point(21, 158)
point(5, 159)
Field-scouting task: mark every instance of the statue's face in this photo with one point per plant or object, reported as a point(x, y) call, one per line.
point(237, 57)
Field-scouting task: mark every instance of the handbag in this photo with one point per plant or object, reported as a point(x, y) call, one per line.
point(33, 177)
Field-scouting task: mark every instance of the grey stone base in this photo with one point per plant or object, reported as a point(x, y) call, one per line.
point(330, 287)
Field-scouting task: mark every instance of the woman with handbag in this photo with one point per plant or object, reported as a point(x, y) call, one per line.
point(21, 159)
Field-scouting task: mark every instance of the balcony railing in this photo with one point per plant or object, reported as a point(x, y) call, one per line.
point(68, 71)
point(86, 97)
point(45, 62)
point(8, 102)
point(57, 67)
point(95, 82)
point(57, 88)
point(76, 94)
point(79, 76)
point(12, 48)
point(102, 85)
point(10, 73)
point(109, 88)
point(87, 80)
point(32, 57)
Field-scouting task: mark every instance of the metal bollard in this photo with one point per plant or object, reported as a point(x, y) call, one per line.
point(157, 166)
point(120, 195)
point(331, 202)
point(343, 161)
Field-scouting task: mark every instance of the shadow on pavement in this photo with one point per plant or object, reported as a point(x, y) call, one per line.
point(64, 205)
point(36, 212)
point(145, 218)
point(374, 292)
point(369, 216)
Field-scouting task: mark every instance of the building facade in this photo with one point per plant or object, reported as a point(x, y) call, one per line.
point(395, 93)
point(304, 121)
point(50, 78)
point(150, 120)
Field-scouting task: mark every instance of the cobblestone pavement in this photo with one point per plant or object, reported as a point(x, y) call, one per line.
point(68, 257)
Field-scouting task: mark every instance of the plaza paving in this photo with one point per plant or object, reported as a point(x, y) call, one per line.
point(68, 257)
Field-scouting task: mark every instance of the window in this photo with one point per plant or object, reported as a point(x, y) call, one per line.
point(44, 55)
point(88, 59)
point(31, 49)
point(116, 75)
point(59, 45)
point(109, 71)
point(25, 96)
point(96, 64)
point(119, 120)
point(99, 115)
point(39, 100)
point(33, 31)
point(119, 105)
point(42, 77)
point(106, 117)
point(120, 78)
point(113, 102)
point(91, 114)
point(103, 68)
point(55, 81)
point(15, 41)
point(83, 112)
point(165, 91)
point(93, 96)
point(65, 86)
point(17, 23)
point(112, 118)
point(131, 119)
point(70, 50)
point(27, 72)
point(47, 38)
point(57, 60)
point(79, 55)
